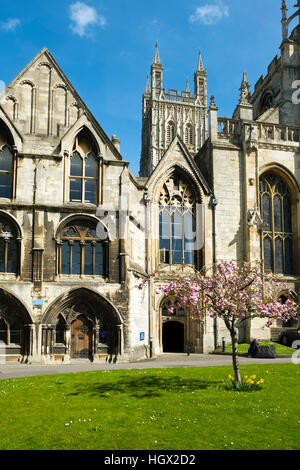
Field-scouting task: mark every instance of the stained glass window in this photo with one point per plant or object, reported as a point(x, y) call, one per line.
point(277, 224)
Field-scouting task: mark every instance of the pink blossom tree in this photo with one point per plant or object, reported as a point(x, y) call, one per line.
point(232, 293)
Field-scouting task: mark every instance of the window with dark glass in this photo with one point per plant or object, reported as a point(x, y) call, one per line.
point(9, 248)
point(276, 209)
point(6, 172)
point(177, 311)
point(177, 222)
point(80, 251)
point(83, 178)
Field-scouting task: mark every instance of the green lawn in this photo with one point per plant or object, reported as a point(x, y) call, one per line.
point(173, 409)
point(243, 348)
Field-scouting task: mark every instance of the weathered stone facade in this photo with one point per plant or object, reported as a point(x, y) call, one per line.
point(79, 231)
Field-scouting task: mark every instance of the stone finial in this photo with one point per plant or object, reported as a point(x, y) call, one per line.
point(147, 89)
point(187, 88)
point(200, 67)
point(213, 105)
point(116, 142)
point(156, 58)
point(245, 90)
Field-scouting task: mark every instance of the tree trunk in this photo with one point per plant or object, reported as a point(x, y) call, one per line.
point(235, 355)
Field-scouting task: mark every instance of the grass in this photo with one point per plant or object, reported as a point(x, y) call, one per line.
point(162, 409)
point(243, 349)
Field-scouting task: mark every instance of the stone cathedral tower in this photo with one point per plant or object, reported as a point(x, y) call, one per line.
point(168, 114)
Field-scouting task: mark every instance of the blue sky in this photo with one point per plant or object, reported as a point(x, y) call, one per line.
point(106, 49)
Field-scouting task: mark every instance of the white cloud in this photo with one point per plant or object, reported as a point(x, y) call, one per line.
point(83, 17)
point(210, 14)
point(10, 25)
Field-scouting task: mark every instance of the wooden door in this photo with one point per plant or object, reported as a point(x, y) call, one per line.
point(81, 338)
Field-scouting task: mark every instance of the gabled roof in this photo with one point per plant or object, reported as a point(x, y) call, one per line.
point(48, 56)
point(167, 163)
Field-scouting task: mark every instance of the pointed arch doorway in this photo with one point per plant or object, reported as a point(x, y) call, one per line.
point(81, 338)
point(173, 337)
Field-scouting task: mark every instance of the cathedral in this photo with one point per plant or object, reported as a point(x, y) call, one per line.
point(79, 231)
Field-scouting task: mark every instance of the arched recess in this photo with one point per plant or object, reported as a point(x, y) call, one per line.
point(279, 190)
point(17, 336)
point(82, 247)
point(180, 229)
point(94, 317)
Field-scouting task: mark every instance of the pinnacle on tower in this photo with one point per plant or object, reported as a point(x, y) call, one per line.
point(285, 20)
point(156, 58)
point(187, 88)
point(200, 67)
point(245, 90)
point(147, 89)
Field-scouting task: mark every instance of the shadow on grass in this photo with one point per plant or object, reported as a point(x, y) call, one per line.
point(146, 387)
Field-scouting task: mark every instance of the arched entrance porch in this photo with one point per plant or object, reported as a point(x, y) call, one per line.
point(82, 324)
point(16, 329)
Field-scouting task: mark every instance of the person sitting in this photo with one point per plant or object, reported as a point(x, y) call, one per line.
point(253, 348)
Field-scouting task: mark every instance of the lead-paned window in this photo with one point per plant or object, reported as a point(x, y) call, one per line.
point(177, 222)
point(276, 211)
point(6, 172)
point(83, 178)
point(80, 251)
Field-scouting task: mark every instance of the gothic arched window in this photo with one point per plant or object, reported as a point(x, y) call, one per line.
point(276, 209)
point(266, 102)
point(170, 132)
point(84, 170)
point(80, 251)
point(9, 247)
point(6, 172)
point(177, 207)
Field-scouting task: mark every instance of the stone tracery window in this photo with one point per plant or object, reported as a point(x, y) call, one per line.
point(80, 251)
point(266, 102)
point(177, 222)
point(169, 310)
point(276, 209)
point(84, 170)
